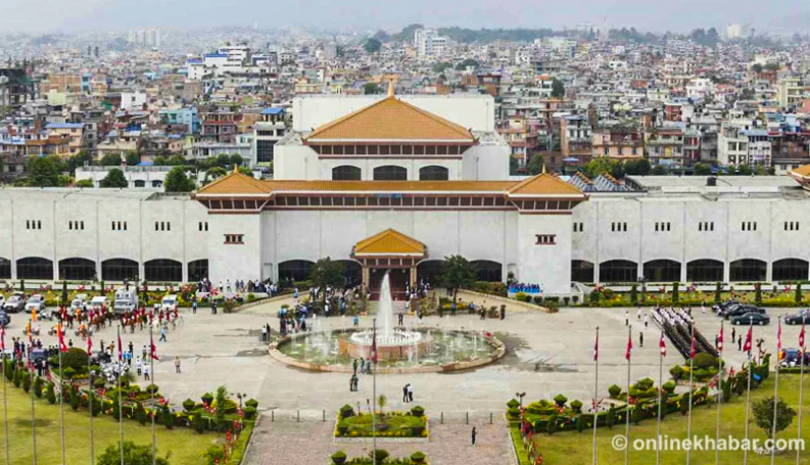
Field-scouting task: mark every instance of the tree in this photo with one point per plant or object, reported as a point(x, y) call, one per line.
point(159, 160)
point(640, 167)
point(111, 159)
point(535, 165)
point(326, 272)
point(134, 454)
point(223, 159)
point(744, 170)
point(115, 178)
point(237, 159)
point(702, 169)
point(659, 170)
point(177, 181)
point(469, 62)
point(42, 172)
point(557, 89)
point(176, 160)
point(79, 160)
point(221, 400)
point(763, 415)
point(456, 272)
point(85, 183)
point(215, 173)
point(372, 45)
point(133, 158)
point(246, 171)
point(601, 165)
point(757, 68)
point(371, 88)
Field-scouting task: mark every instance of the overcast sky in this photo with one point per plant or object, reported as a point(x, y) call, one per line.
point(646, 15)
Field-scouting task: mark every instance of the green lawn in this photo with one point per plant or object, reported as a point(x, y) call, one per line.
point(572, 447)
point(386, 425)
point(185, 445)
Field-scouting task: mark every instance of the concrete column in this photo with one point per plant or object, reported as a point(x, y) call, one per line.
point(413, 276)
point(366, 277)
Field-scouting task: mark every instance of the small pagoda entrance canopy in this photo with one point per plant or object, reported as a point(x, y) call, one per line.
point(389, 249)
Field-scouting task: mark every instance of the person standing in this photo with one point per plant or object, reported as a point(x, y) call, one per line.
point(162, 335)
point(410, 393)
point(474, 433)
point(354, 366)
point(641, 339)
point(405, 393)
point(176, 364)
point(626, 318)
point(194, 306)
point(739, 343)
point(146, 372)
point(503, 312)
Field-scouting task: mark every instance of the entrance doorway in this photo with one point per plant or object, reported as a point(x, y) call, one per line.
point(398, 278)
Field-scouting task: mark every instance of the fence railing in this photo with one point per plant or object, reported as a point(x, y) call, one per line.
point(455, 417)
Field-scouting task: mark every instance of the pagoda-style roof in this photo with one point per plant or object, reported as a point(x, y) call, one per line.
point(542, 184)
point(802, 176)
point(390, 120)
point(389, 243)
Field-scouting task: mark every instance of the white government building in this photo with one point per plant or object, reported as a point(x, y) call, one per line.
point(396, 184)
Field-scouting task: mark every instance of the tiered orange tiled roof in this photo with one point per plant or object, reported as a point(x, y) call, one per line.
point(802, 171)
point(389, 242)
point(390, 119)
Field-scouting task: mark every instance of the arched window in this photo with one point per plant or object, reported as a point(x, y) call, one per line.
point(429, 271)
point(197, 270)
point(296, 270)
point(748, 269)
point(140, 183)
point(789, 269)
point(77, 269)
point(618, 271)
point(34, 268)
point(119, 269)
point(346, 173)
point(488, 270)
point(163, 270)
point(581, 271)
point(704, 271)
point(390, 173)
point(5, 268)
point(662, 270)
point(433, 173)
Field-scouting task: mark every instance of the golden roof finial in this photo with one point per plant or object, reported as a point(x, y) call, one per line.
point(235, 168)
point(391, 88)
point(544, 168)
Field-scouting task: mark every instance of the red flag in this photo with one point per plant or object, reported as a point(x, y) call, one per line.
point(801, 337)
point(3, 338)
point(663, 345)
point(596, 348)
point(747, 345)
point(89, 345)
point(720, 340)
point(778, 336)
point(61, 335)
point(374, 347)
point(629, 348)
point(693, 351)
point(120, 351)
point(152, 349)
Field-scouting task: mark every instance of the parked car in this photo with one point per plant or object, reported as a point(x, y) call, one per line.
point(802, 317)
point(718, 308)
point(751, 318)
point(740, 309)
point(78, 302)
point(99, 302)
point(36, 302)
point(5, 320)
point(169, 302)
point(15, 303)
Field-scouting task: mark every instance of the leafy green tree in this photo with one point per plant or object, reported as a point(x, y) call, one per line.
point(557, 89)
point(215, 173)
point(371, 88)
point(601, 165)
point(640, 167)
point(111, 159)
point(535, 165)
point(236, 159)
point(221, 400)
point(372, 45)
point(134, 454)
point(744, 170)
point(133, 158)
point(326, 272)
point(763, 415)
point(702, 169)
point(79, 160)
point(457, 272)
point(658, 170)
point(42, 172)
point(159, 160)
point(176, 160)
point(177, 181)
point(115, 178)
point(223, 159)
point(246, 171)
point(84, 183)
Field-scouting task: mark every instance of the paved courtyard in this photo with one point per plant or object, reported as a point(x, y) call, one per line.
point(547, 354)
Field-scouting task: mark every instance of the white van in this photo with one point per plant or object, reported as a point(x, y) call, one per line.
point(169, 302)
point(99, 302)
point(78, 302)
point(125, 301)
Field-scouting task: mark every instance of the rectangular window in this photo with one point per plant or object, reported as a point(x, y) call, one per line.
point(711, 226)
point(545, 239)
point(157, 226)
point(669, 227)
point(700, 226)
point(70, 225)
point(168, 226)
point(199, 226)
point(81, 224)
point(39, 224)
point(234, 238)
point(625, 227)
point(112, 225)
point(656, 227)
point(613, 227)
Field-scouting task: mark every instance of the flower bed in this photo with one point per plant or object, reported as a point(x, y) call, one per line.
point(382, 456)
point(394, 425)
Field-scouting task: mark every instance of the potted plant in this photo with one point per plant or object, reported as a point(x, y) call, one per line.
point(339, 457)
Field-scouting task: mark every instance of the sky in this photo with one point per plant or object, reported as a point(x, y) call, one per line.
point(40, 16)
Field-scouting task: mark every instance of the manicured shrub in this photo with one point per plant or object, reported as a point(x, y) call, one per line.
point(74, 398)
point(207, 398)
point(644, 384)
point(521, 297)
point(152, 389)
point(140, 414)
point(50, 393)
point(418, 411)
point(676, 372)
point(252, 403)
point(188, 405)
point(339, 457)
point(610, 418)
point(686, 400)
point(551, 425)
point(167, 417)
point(250, 413)
point(560, 400)
point(576, 406)
point(418, 457)
point(99, 383)
point(379, 457)
point(346, 411)
point(38, 384)
point(26, 382)
point(513, 404)
point(669, 387)
point(342, 428)
point(614, 391)
point(198, 422)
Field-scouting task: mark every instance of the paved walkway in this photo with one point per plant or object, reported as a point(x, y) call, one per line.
point(285, 443)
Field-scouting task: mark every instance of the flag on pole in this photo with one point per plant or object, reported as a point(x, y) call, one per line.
point(28, 332)
point(374, 347)
point(153, 349)
point(778, 337)
point(801, 337)
point(720, 340)
point(629, 348)
point(3, 338)
point(120, 348)
point(596, 348)
point(89, 345)
point(663, 345)
point(747, 345)
point(61, 334)
point(693, 350)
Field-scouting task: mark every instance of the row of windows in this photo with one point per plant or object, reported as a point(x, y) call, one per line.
point(748, 226)
point(163, 226)
point(116, 269)
point(666, 226)
point(618, 227)
point(579, 227)
point(390, 173)
point(545, 239)
point(389, 149)
point(706, 226)
point(33, 224)
point(234, 238)
point(395, 200)
point(791, 225)
point(118, 225)
point(702, 270)
point(76, 225)
point(203, 226)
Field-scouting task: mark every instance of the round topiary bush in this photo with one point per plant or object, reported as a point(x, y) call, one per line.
point(152, 389)
point(576, 406)
point(339, 457)
point(188, 405)
point(207, 398)
point(346, 411)
point(614, 391)
point(676, 372)
point(342, 428)
point(418, 411)
point(513, 404)
point(560, 400)
point(252, 403)
point(250, 413)
point(379, 457)
point(669, 387)
point(418, 457)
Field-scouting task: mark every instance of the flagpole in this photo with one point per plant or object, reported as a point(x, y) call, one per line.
point(776, 387)
point(151, 391)
point(91, 395)
point(33, 418)
point(801, 392)
point(61, 405)
point(627, 412)
point(719, 394)
point(373, 392)
point(748, 394)
point(660, 397)
point(595, 392)
point(691, 390)
point(5, 399)
point(120, 400)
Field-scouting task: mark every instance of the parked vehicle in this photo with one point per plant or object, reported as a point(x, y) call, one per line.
point(36, 302)
point(751, 318)
point(5, 320)
point(169, 302)
point(718, 308)
point(125, 301)
point(15, 303)
point(802, 317)
point(99, 303)
point(2, 300)
point(78, 302)
point(790, 358)
point(740, 309)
